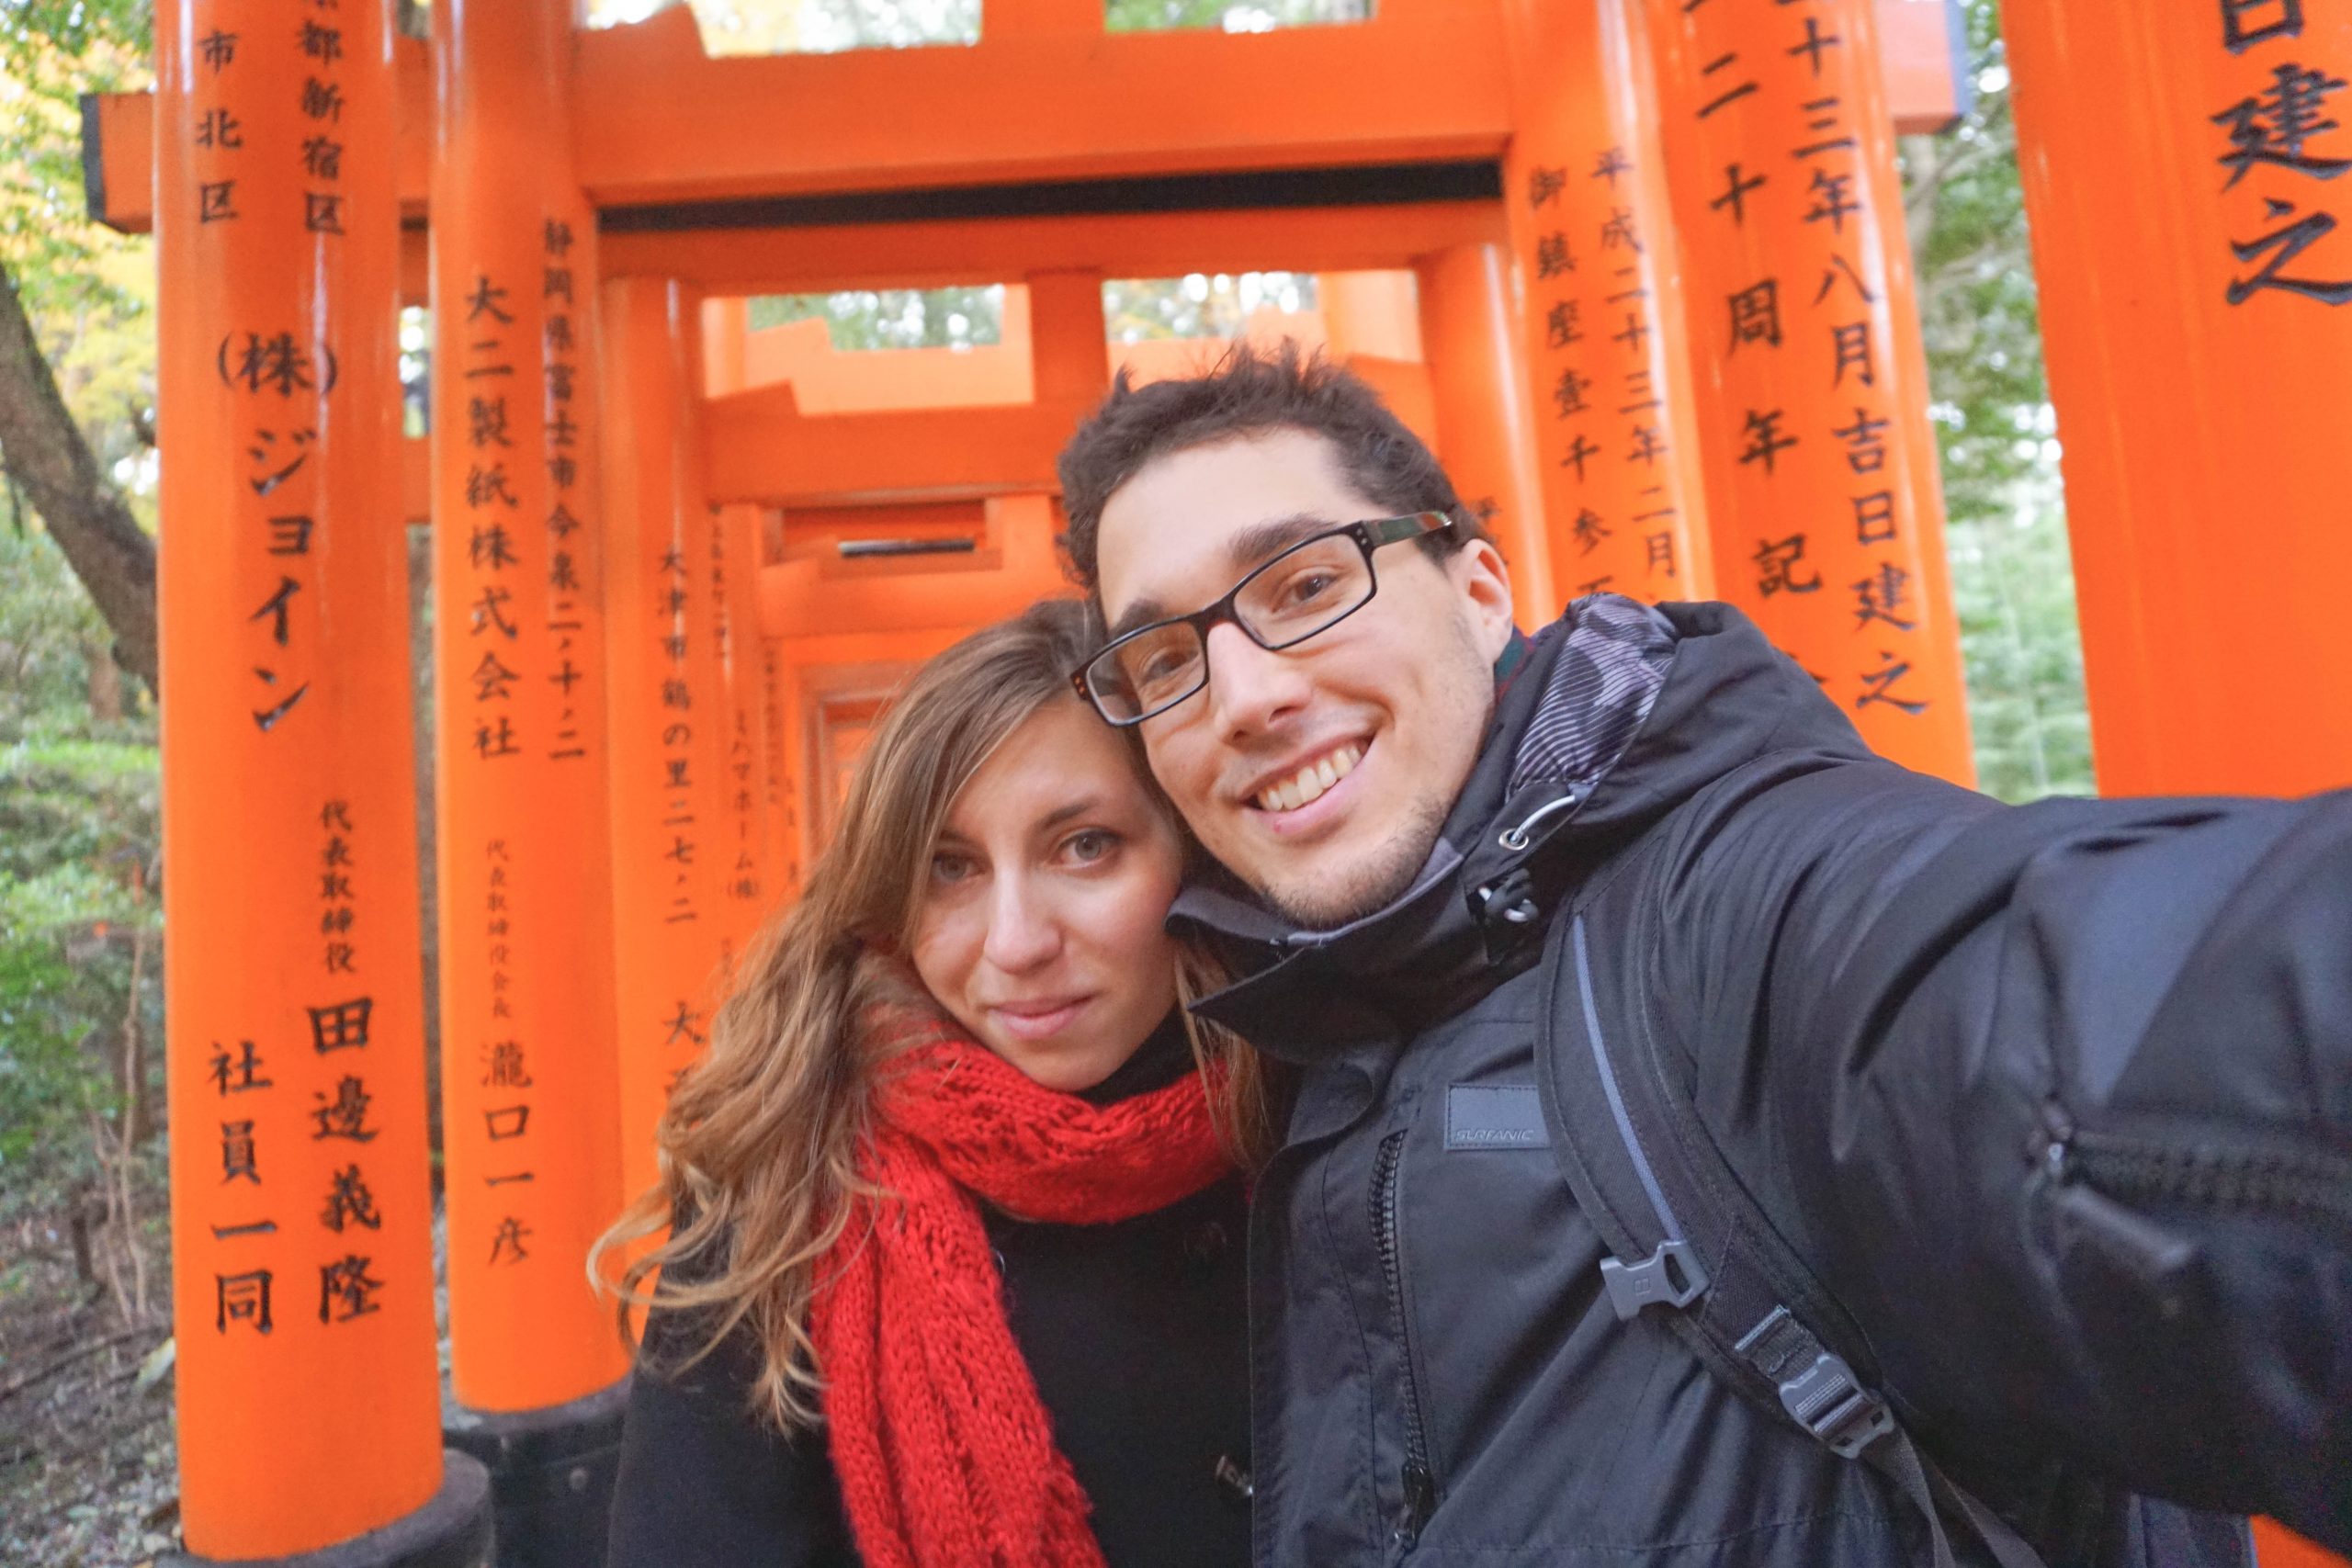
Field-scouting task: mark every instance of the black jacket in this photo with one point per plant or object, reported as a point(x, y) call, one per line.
point(1135, 1333)
point(2082, 1180)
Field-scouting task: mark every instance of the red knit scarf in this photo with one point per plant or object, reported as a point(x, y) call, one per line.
point(946, 1453)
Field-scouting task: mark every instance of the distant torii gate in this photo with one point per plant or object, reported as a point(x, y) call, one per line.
point(1636, 268)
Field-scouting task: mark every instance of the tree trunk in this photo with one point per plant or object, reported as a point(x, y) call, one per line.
point(44, 451)
point(138, 1120)
point(104, 681)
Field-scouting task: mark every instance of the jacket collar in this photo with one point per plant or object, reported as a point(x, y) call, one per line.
point(1616, 713)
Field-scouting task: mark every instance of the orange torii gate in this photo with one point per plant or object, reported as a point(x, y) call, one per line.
point(1544, 228)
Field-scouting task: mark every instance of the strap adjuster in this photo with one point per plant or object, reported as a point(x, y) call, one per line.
point(1818, 1390)
point(1829, 1401)
point(1670, 1277)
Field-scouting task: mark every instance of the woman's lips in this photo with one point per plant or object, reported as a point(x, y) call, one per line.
point(1036, 1020)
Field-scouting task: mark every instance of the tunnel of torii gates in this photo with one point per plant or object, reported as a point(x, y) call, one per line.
point(1636, 268)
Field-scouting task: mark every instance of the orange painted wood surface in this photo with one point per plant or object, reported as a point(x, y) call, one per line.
point(1000, 250)
point(1068, 361)
point(759, 447)
point(815, 594)
point(1922, 57)
point(747, 877)
point(528, 1064)
point(666, 704)
point(743, 854)
point(2278, 1547)
point(782, 776)
point(828, 381)
point(2195, 259)
point(302, 1215)
point(1601, 319)
point(1423, 80)
point(1486, 424)
point(834, 684)
point(1808, 372)
point(1372, 312)
point(659, 121)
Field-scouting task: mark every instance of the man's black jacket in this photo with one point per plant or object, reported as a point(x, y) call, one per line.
point(2082, 1175)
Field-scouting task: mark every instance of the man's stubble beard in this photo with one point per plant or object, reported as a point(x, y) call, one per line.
point(1386, 876)
point(1373, 888)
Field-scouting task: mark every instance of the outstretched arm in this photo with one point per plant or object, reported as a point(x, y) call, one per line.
point(2058, 1100)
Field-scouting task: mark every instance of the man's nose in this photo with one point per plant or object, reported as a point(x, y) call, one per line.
point(1024, 931)
point(1250, 690)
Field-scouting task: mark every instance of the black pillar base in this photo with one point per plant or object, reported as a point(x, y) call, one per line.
point(551, 1473)
point(452, 1530)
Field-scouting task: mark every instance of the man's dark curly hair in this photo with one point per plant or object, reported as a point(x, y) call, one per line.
point(1252, 391)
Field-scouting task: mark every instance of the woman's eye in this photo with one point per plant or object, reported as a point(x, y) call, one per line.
point(1092, 845)
point(950, 868)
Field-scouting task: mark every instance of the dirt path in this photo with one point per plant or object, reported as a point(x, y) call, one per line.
point(87, 1464)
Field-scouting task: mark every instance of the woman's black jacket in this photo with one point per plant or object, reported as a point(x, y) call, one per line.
point(1136, 1332)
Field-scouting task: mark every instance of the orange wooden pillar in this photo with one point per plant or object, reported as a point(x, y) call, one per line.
point(1602, 317)
point(1069, 353)
point(530, 1103)
point(1810, 380)
point(302, 1295)
point(661, 654)
point(2192, 238)
point(746, 895)
point(743, 850)
point(782, 785)
point(1485, 428)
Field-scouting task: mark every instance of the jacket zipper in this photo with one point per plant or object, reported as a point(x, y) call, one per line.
point(2302, 1183)
point(1419, 1478)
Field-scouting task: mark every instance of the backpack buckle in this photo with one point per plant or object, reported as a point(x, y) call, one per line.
point(1670, 1277)
point(1510, 916)
point(1829, 1401)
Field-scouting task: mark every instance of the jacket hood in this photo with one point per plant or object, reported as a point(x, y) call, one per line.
point(1619, 713)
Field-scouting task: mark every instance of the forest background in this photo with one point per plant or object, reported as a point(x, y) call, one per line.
point(86, 1456)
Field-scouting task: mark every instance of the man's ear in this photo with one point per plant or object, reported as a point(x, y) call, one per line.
point(1484, 581)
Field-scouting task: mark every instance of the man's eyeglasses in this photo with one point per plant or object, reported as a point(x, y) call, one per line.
point(1309, 588)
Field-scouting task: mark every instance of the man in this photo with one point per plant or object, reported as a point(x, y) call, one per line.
point(2067, 1143)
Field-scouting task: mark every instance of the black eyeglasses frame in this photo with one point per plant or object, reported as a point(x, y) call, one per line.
point(1368, 535)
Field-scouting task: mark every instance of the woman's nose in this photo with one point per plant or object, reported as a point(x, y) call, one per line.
point(1023, 931)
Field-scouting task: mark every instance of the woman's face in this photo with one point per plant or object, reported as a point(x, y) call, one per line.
point(1038, 925)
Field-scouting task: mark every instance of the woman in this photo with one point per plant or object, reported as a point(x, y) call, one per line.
point(953, 1273)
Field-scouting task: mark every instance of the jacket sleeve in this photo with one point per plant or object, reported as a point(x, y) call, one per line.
point(2058, 1101)
point(703, 1484)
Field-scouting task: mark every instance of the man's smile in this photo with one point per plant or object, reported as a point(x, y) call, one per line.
point(1306, 784)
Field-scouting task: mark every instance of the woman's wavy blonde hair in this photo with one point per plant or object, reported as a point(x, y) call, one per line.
point(758, 1147)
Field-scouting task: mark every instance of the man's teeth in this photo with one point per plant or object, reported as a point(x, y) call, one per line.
point(1309, 783)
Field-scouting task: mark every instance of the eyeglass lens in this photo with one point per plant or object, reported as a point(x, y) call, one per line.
point(1289, 599)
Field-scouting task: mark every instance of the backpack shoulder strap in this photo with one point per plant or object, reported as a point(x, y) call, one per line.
point(1691, 1246)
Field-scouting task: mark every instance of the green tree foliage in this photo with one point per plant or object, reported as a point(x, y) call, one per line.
point(1231, 16)
point(810, 27)
point(89, 290)
point(1199, 305)
point(80, 836)
point(52, 52)
point(78, 851)
point(47, 630)
point(2012, 577)
point(893, 318)
point(78, 816)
